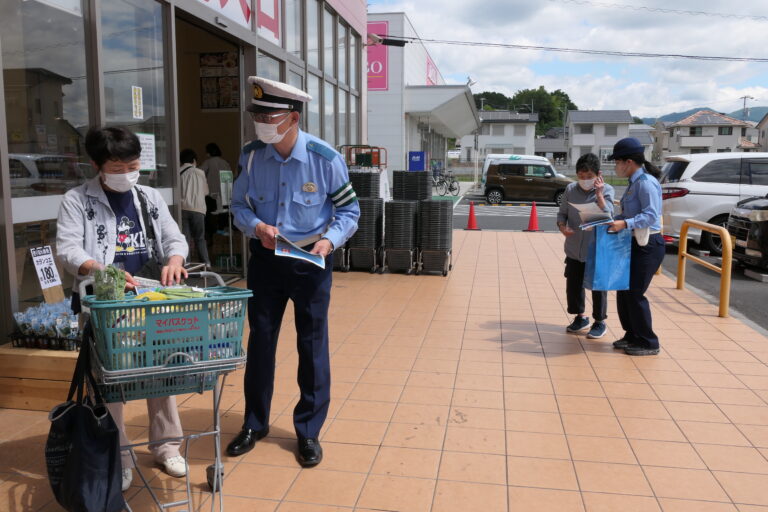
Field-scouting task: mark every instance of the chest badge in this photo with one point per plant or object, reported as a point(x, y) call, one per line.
point(309, 187)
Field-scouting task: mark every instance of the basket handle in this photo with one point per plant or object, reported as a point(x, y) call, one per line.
point(205, 274)
point(183, 354)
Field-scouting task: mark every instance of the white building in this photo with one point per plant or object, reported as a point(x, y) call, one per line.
point(596, 131)
point(410, 106)
point(501, 131)
point(711, 132)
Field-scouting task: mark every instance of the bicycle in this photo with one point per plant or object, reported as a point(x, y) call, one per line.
point(440, 185)
point(452, 184)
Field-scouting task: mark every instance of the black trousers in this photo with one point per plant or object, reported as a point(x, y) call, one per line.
point(634, 308)
point(574, 289)
point(274, 280)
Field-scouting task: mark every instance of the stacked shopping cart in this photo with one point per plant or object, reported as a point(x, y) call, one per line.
point(435, 228)
point(399, 253)
point(365, 244)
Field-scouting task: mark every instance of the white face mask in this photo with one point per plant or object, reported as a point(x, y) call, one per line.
point(120, 182)
point(587, 184)
point(268, 134)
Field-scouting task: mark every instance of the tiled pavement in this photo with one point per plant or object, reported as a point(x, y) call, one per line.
point(465, 393)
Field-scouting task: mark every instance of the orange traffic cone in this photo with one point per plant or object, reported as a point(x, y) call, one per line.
point(472, 221)
point(533, 222)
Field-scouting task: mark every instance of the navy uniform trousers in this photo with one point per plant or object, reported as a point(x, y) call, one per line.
point(633, 307)
point(274, 280)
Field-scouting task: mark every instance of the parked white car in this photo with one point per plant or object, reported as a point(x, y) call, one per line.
point(705, 187)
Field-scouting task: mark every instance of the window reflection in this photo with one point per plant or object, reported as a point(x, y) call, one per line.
point(267, 67)
point(342, 117)
point(328, 43)
point(353, 45)
point(45, 95)
point(293, 32)
point(313, 35)
point(313, 107)
point(341, 36)
point(354, 137)
point(133, 60)
point(329, 132)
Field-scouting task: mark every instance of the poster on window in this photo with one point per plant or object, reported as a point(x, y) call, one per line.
point(268, 20)
point(219, 81)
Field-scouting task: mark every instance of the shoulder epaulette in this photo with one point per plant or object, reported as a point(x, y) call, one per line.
point(326, 152)
point(643, 176)
point(253, 146)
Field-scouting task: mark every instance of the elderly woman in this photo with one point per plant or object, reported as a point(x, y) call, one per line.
point(112, 220)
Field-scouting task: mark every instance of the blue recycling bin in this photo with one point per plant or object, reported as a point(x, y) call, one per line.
point(417, 160)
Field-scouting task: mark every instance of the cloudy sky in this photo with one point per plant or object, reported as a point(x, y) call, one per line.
point(647, 87)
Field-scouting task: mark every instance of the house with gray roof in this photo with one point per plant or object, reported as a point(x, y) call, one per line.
point(707, 131)
point(596, 131)
point(501, 131)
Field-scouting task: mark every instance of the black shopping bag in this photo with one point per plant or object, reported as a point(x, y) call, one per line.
point(82, 453)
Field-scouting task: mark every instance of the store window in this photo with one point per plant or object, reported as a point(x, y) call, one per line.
point(313, 34)
point(343, 117)
point(293, 28)
point(46, 101)
point(329, 115)
point(313, 108)
point(353, 46)
point(45, 96)
point(328, 43)
point(341, 36)
point(296, 80)
point(267, 67)
point(134, 84)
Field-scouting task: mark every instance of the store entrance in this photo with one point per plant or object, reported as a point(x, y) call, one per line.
point(208, 83)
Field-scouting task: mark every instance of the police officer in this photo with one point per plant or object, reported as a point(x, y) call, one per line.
point(640, 212)
point(296, 185)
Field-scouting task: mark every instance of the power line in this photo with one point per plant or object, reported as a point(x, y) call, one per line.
point(584, 51)
point(665, 11)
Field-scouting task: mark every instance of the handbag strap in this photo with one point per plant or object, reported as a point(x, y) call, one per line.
point(148, 226)
point(82, 371)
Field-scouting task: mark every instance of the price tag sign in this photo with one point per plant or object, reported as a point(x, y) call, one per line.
point(45, 267)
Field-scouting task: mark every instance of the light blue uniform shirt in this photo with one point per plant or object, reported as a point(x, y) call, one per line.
point(306, 194)
point(641, 203)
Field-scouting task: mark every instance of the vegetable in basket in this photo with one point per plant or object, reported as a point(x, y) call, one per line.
point(109, 284)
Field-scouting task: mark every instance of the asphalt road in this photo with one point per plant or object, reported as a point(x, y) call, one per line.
point(747, 295)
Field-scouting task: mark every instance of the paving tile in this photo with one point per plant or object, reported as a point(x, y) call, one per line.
point(683, 411)
point(672, 505)
point(601, 449)
point(477, 398)
point(638, 391)
point(421, 414)
point(726, 396)
point(578, 387)
point(376, 392)
point(585, 405)
point(528, 385)
point(473, 467)
point(631, 408)
point(665, 453)
point(426, 395)
point(527, 421)
point(744, 488)
point(689, 484)
point(394, 461)
point(756, 434)
point(612, 478)
point(357, 432)
point(274, 481)
point(740, 459)
point(746, 414)
point(397, 493)
point(530, 402)
point(530, 444)
point(475, 440)
point(526, 499)
point(475, 417)
point(600, 502)
point(544, 473)
point(715, 433)
point(414, 436)
point(675, 393)
point(479, 382)
point(587, 425)
point(463, 496)
point(653, 429)
point(366, 410)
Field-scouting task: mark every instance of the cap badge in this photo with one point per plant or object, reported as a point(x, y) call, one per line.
point(309, 187)
point(258, 92)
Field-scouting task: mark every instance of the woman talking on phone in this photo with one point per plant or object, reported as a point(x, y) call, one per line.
point(640, 212)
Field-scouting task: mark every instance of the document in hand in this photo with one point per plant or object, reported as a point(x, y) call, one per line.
point(591, 215)
point(284, 247)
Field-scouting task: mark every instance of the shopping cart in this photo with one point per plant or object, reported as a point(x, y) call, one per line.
point(148, 349)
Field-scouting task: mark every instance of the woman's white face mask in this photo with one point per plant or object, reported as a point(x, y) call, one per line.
point(587, 184)
point(122, 182)
point(268, 133)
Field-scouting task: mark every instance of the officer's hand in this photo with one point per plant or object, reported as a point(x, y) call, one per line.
point(266, 234)
point(322, 247)
point(616, 226)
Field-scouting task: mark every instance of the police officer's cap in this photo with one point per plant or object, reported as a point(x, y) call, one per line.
point(626, 147)
point(269, 95)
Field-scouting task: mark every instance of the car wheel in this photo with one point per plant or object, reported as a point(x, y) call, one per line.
point(494, 196)
point(711, 242)
point(559, 197)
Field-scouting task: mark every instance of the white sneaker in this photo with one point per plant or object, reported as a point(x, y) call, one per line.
point(127, 478)
point(175, 466)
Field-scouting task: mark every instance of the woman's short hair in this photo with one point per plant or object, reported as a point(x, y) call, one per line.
point(187, 156)
point(112, 143)
point(588, 162)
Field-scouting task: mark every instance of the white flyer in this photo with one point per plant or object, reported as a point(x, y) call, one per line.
point(45, 267)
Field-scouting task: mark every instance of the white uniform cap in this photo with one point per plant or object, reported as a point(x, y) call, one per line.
point(271, 95)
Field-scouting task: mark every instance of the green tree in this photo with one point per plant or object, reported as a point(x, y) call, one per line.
point(489, 100)
point(550, 106)
point(637, 120)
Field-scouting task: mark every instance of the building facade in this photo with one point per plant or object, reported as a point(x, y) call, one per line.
point(410, 106)
point(595, 131)
point(707, 131)
point(173, 71)
point(501, 131)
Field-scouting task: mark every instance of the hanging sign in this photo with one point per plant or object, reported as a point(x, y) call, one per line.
point(137, 102)
point(378, 55)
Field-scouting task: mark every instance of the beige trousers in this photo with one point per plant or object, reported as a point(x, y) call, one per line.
point(164, 422)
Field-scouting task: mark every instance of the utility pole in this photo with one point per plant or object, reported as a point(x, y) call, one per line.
point(744, 113)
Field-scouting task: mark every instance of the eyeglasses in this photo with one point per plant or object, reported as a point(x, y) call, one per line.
point(266, 118)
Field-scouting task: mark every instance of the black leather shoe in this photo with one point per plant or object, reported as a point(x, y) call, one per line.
point(621, 344)
point(639, 350)
point(310, 452)
point(245, 440)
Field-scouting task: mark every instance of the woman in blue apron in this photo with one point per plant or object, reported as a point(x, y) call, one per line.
point(640, 212)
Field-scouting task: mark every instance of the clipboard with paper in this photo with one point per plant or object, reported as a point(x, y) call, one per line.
point(592, 215)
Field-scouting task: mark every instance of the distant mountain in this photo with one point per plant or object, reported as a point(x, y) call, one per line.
point(755, 114)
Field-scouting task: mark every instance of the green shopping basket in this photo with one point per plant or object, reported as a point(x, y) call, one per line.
point(147, 349)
